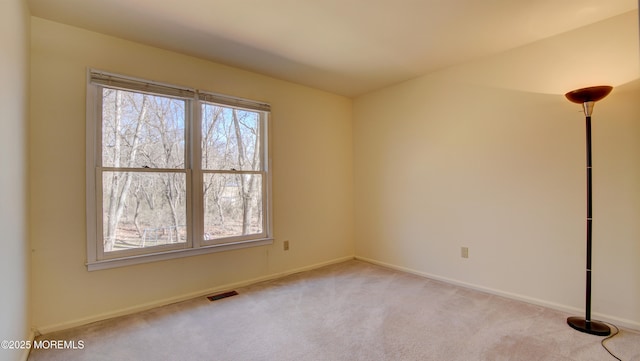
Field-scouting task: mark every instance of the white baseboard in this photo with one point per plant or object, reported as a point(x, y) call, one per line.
point(147, 306)
point(26, 352)
point(629, 324)
point(620, 322)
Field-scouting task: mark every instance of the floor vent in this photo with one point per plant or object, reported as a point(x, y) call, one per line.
point(222, 295)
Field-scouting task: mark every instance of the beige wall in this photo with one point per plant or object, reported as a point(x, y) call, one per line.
point(312, 179)
point(14, 256)
point(482, 155)
point(469, 157)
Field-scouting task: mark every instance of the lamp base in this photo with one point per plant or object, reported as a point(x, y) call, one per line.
point(591, 327)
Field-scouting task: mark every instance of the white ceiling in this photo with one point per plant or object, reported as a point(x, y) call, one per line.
point(347, 47)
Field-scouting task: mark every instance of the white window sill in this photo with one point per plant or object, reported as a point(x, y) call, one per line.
point(146, 258)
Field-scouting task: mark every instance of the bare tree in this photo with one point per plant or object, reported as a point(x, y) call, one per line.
point(118, 196)
point(143, 131)
point(247, 186)
point(211, 187)
point(112, 220)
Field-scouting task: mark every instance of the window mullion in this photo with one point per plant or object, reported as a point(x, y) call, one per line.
point(143, 170)
point(195, 153)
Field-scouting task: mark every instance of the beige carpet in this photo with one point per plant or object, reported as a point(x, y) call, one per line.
point(348, 311)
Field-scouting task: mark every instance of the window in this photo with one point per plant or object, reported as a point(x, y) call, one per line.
point(172, 172)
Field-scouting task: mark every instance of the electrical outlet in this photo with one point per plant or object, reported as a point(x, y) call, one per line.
point(464, 252)
point(286, 245)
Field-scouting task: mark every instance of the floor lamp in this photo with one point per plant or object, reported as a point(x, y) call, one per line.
point(587, 97)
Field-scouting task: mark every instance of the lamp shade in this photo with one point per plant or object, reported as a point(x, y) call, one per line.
point(590, 94)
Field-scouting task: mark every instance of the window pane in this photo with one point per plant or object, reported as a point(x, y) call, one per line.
point(232, 205)
point(141, 130)
point(143, 209)
point(230, 138)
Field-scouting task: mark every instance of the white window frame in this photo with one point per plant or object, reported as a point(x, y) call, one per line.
point(195, 244)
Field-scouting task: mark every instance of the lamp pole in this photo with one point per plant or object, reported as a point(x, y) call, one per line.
point(587, 97)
